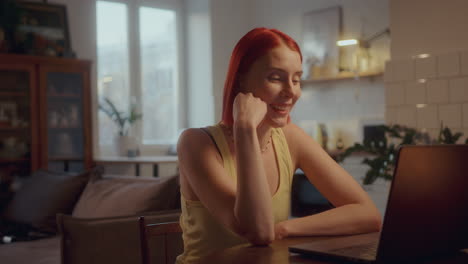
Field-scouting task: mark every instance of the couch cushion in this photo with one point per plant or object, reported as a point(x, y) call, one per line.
point(44, 195)
point(121, 196)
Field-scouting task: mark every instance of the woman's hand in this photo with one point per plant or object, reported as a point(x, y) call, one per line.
point(280, 230)
point(248, 110)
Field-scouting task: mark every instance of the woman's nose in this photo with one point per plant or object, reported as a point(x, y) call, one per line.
point(290, 89)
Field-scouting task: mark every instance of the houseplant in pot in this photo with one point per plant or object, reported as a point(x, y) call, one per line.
point(124, 121)
point(382, 154)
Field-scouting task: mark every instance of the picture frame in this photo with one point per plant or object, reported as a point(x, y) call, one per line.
point(43, 29)
point(321, 30)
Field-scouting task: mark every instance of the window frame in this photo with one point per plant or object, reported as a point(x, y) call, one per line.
point(135, 89)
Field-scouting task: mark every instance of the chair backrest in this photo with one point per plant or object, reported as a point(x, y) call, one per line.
point(113, 240)
point(163, 230)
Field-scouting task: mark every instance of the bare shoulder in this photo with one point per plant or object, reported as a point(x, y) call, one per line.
point(296, 139)
point(194, 143)
point(292, 129)
point(295, 135)
point(192, 137)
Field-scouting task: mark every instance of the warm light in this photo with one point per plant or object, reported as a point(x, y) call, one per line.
point(421, 80)
point(107, 79)
point(347, 42)
point(422, 56)
point(421, 105)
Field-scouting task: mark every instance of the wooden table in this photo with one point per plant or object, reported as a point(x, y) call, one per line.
point(277, 253)
point(155, 160)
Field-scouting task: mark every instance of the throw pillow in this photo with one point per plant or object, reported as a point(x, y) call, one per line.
point(43, 195)
point(124, 196)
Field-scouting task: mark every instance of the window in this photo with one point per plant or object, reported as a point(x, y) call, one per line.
point(158, 53)
point(113, 62)
point(139, 66)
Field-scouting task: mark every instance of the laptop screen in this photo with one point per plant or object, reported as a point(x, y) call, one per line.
point(427, 210)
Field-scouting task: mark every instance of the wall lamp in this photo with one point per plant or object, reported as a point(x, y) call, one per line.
point(363, 43)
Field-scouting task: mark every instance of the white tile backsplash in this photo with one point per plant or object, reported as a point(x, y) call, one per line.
point(423, 92)
point(427, 117)
point(415, 93)
point(391, 115)
point(464, 62)
point(465, 116)
point(451, 115)
point(437, 91)
point(458, 91)
point(425, 67)
point(340, 105)
point(448, 64)
point(406, 116)
point(395, 94)
point(403, 70)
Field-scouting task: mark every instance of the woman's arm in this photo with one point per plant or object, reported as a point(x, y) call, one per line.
point(245, 208)
point(253, 200)
point(354, 213)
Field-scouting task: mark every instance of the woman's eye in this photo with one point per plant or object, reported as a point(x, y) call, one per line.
point(296, 81)
point(274, 78)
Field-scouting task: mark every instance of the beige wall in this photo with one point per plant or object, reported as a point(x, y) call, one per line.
point(438, 83)
point(428, 26)
point(230, 20)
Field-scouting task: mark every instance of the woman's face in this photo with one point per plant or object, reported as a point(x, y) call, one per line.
point(275, 78)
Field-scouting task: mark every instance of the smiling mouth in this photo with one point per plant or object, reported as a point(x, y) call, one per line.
point(281, 109)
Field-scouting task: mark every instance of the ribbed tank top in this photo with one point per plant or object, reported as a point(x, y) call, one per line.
point(202, 233)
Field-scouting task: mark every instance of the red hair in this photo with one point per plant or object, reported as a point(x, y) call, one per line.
point(250, 47)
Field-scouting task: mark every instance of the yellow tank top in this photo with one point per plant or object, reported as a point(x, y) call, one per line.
point(202, 233)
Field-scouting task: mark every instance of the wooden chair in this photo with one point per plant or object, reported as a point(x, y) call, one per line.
point(159, 230)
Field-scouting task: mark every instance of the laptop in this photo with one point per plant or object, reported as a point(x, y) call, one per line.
point(426, 214)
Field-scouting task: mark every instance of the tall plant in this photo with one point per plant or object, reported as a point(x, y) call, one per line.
point(122, 120)
point(382, 160)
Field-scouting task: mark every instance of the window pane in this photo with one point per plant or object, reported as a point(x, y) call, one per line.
point(158, 47)
point(113, 63)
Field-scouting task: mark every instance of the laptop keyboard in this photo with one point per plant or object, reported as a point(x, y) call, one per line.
point(362, 250)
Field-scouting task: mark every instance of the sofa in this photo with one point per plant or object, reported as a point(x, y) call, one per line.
point(86, 217)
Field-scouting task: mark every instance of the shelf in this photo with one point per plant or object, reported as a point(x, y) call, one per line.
point(15, 94)
point(13, 128)
point(64, 128)
point(17, 160)
point(63, 95)
point(344, 76)
point(64, 158)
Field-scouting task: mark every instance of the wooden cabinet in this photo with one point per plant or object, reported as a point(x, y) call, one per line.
point(45, 117)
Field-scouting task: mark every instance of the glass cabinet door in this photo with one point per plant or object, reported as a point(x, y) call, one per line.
point(16, 135)
point(64, 121)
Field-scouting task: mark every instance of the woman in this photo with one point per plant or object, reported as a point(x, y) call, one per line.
point(236, 176)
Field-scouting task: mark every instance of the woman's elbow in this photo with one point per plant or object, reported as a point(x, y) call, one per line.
point(261, 239)
point(375, 222)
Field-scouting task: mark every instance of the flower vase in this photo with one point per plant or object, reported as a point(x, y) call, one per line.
point(124, 144)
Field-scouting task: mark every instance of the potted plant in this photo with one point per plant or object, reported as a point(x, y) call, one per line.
point(382, 153)
point(124, 121)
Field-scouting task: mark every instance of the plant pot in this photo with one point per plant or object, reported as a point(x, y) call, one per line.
point(125, 143)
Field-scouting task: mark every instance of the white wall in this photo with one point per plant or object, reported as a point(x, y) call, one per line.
point(439, 82)
point(230, 20)
point(199, 62)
